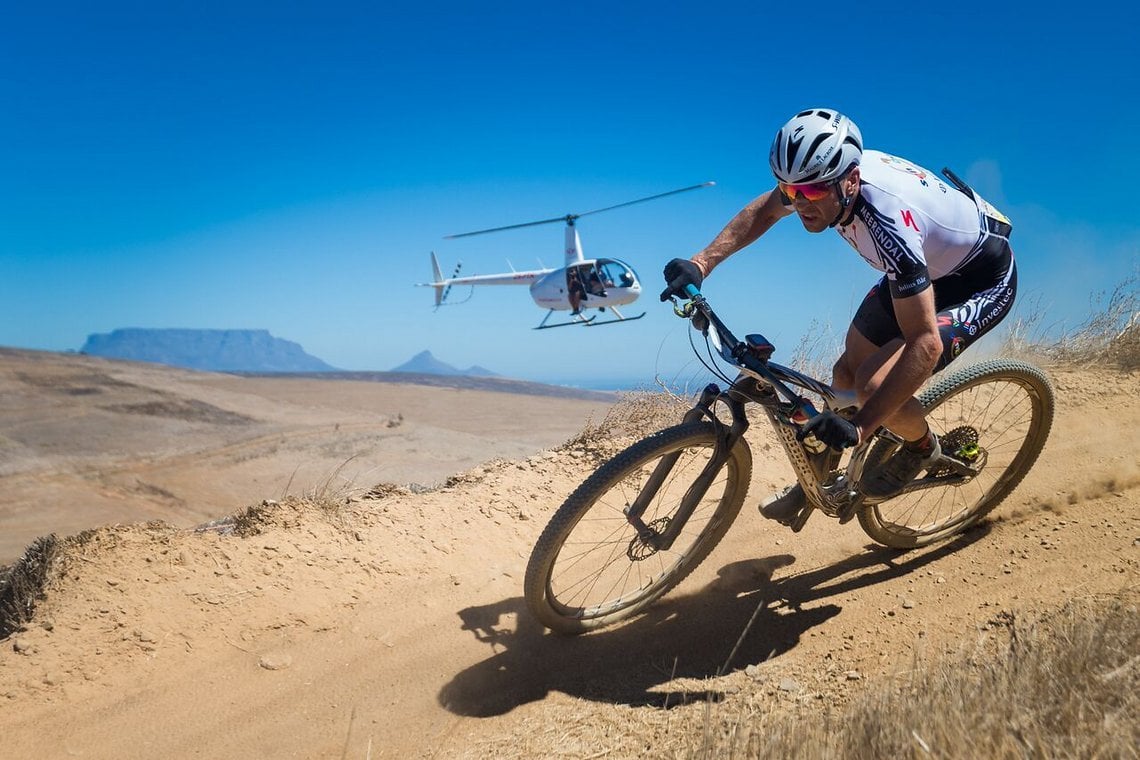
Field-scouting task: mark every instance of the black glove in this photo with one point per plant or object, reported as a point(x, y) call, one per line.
point(678, 274)
point(831, 429)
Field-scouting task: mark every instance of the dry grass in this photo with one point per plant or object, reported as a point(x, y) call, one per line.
point(635, 416)
point(817, 351)
point(22, 584)
point(1110, 336)
point(1065, 685)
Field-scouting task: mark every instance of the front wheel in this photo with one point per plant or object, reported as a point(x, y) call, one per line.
point(998, 413)
point(590, 568)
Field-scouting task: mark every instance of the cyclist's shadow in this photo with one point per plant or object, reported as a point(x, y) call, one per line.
point(690, 636)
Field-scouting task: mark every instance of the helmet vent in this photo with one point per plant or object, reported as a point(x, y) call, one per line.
point(816, 145)
point(819, 140)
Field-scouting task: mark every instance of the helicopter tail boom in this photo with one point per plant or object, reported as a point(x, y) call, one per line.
point(443, 285)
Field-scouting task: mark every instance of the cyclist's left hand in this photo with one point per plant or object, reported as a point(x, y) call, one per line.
point(831, 429)
point(679, 273)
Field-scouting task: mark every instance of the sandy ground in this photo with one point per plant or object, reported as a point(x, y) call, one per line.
point(393, 626)
point(86, 441)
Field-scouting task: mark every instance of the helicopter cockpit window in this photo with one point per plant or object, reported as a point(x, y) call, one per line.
point(616, 274)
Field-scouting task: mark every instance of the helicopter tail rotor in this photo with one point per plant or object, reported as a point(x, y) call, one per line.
point(442, 287)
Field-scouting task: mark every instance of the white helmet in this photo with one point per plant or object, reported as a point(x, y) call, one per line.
point(817, 145)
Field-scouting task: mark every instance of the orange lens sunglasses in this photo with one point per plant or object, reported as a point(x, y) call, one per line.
point(815, 191)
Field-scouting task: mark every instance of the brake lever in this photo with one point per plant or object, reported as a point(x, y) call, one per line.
point(685, 310)
point(688, 311)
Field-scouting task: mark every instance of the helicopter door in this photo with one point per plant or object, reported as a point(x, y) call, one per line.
point(586, 280)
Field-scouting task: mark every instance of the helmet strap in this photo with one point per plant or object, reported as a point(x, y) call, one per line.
point(844, 200)
point(844, 203)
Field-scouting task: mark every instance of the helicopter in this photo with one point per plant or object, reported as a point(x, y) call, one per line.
point(581, 284)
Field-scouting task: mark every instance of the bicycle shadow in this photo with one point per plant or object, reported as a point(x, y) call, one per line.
point(681, 636)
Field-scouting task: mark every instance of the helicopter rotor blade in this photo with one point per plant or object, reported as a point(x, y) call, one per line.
point(567, 218)
point(643, 200)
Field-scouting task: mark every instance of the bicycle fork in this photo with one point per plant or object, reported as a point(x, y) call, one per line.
point(727, 437)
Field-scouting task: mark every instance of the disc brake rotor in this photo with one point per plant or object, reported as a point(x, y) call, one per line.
point(639, 549)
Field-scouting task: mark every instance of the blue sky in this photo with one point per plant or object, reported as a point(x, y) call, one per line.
point(290, 166)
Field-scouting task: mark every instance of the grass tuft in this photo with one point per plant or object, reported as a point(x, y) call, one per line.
point(1109, 337)
point(22, 585)
point(1062, 685)
point(637, 414)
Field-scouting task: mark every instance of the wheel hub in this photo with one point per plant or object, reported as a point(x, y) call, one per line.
point(643, 547)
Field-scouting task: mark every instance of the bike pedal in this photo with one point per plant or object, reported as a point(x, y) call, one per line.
point(846, 514)
point(801, 519)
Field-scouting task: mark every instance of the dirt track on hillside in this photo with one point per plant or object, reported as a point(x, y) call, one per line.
point(394, 626)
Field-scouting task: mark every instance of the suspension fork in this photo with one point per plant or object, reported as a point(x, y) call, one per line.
point(726, 438)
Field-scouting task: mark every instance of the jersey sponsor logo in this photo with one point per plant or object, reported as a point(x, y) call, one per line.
point(916, 284)
point(902, 165)
point(953, 322)
point(892, 247)
point(908, 219)
point(999, 306)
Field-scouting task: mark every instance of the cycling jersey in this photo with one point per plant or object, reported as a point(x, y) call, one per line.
point(910, 224)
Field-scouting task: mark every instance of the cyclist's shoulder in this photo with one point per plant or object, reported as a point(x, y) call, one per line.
point(895, 175)
point(891, 183)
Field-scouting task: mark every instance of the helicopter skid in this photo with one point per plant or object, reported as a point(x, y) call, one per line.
point(590, 321)
point(576, 319)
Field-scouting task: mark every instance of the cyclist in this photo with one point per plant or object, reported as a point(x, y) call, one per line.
point(948, 278)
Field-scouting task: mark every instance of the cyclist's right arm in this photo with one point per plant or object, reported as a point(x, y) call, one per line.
point(745, 228)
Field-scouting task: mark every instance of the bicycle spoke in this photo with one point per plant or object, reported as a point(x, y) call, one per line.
point(595, 571)
point(1001, 407)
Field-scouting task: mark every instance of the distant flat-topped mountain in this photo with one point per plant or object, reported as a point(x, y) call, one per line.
point(210, 350)
point(425, 363)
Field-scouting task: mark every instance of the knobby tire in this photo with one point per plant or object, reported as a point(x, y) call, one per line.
point(1010, 405)
point(589, 569)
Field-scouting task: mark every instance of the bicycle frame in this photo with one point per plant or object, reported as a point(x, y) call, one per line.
point(835, 492)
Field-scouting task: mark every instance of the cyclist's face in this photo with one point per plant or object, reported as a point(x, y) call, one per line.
point(816, 216)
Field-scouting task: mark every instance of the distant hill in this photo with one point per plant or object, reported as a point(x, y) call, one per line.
point(425, 364)
point(210, 350)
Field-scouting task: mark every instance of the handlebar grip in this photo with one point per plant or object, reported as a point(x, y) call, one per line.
point(692, 291)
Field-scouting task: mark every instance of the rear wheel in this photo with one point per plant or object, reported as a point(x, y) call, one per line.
point(590, 569)
point(997, 414)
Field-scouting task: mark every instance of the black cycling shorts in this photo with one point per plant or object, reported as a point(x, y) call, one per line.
point(969, 303)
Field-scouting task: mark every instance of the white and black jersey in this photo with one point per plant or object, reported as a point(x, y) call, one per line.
point(915, 228)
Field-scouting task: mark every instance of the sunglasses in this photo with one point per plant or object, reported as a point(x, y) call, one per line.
point(814, 191)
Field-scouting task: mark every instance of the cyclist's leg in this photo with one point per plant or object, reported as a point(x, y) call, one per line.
point(967, 306)
point(872, 347)
point(968, 310)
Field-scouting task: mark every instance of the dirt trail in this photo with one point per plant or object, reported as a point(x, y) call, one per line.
point(395, 626)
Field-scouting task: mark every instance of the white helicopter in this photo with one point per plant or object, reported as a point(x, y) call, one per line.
point(580, 285)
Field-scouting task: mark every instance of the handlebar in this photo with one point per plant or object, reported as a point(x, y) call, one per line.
point(727, 344)
point(744, 354)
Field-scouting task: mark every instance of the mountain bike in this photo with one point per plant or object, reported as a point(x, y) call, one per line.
point(647, 517)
